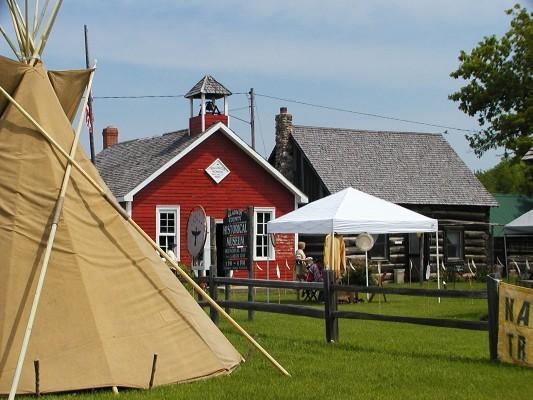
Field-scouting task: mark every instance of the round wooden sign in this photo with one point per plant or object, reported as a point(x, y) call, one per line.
point(196, 231)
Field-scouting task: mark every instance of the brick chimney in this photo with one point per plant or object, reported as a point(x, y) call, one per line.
point(110, 136)
point(283, 161)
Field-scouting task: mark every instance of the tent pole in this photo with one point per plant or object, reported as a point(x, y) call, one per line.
point(113, 202)
point(505, 255)
point(332, 258)
point(438, 258)
point(366, 266)
point(44, 267)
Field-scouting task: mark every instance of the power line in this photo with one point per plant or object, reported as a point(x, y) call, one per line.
point(139, 97)
point(156, 96)
point(367, 114)
point(324, 107)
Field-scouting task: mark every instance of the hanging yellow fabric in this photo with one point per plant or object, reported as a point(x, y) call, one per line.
point(339, 256)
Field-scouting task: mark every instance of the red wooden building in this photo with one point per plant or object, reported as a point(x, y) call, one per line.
point(159, 180)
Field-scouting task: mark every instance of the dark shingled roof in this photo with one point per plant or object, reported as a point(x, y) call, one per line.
point(125, 165)
point(208, 85)
point(401, 167)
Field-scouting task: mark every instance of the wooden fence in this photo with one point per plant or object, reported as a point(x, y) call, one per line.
point(331, 315)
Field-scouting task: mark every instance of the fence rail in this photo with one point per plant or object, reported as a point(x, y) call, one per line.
point(331, 314)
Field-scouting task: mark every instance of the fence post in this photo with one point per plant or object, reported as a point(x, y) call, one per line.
point(330, 305)
point(493, 308)
point(213, 313)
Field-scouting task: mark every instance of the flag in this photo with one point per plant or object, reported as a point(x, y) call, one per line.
point(231, 273)
point(527, 265)
point(351, 266)
point(278, 274)
point(517, 268)
point(428, 272)
point(473, 264)
point(89, 116)
point(258, 267)
point(410, 265)
point(287, 265)
point(443, 266)
point(499, 262)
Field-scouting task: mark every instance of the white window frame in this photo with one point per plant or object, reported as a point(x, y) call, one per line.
point(272, 251)
point(175, 209)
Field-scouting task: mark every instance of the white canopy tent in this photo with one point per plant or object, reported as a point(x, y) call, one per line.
point(351, 211)
point(521, 226)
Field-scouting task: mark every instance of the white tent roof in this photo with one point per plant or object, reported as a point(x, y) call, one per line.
point(521, 226)
point(352, 211)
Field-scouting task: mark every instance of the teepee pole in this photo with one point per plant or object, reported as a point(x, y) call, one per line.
point(211, 302)
point(16, 29)
point(51, 238)
point(112, 201)
point(41, 16)
point(9, 42)
point(35, 16)
point(44, 37)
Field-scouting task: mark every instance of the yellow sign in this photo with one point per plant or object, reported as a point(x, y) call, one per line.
point(515, 320)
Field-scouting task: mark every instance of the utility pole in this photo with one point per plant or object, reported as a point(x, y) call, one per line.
point(90, 100)
point(252, 116)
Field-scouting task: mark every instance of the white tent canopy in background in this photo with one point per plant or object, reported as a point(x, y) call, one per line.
point(351, 211)
point(523, 225)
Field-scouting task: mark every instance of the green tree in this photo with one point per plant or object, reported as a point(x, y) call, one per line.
point(499, 85)
point(508, 176)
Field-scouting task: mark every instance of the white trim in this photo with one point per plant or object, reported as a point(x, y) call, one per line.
point(176, 209)
point(203, 111)
point(272, 250)
point(129, 207)
point(219, 126)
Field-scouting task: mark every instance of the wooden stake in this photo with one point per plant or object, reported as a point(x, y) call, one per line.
point(152, 375)
point(113, 202)
point(37, 377)
point(48, 251)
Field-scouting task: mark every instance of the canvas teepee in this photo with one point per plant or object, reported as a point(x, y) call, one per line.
point(108, 302)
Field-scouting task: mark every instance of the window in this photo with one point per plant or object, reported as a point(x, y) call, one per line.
point(167, 229)
point(262, 250)
point(380, 251)
point(454, 245)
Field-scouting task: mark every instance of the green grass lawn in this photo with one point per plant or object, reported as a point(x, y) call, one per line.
point(372, 360)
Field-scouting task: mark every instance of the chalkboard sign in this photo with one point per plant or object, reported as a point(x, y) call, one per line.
point(236, 240)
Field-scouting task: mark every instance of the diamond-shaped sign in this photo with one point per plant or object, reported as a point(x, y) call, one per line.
point(217, 170)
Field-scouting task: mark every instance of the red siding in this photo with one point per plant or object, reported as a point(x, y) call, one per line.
point(187, 184)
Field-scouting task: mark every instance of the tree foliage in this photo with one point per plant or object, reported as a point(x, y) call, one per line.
point(509, 176)
point(499, 84)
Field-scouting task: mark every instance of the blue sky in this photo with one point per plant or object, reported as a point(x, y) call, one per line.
point(383, 57)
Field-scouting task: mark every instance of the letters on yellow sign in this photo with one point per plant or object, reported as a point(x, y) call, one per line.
point(515, 334)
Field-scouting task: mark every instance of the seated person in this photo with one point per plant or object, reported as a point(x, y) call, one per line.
point(301, 262)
